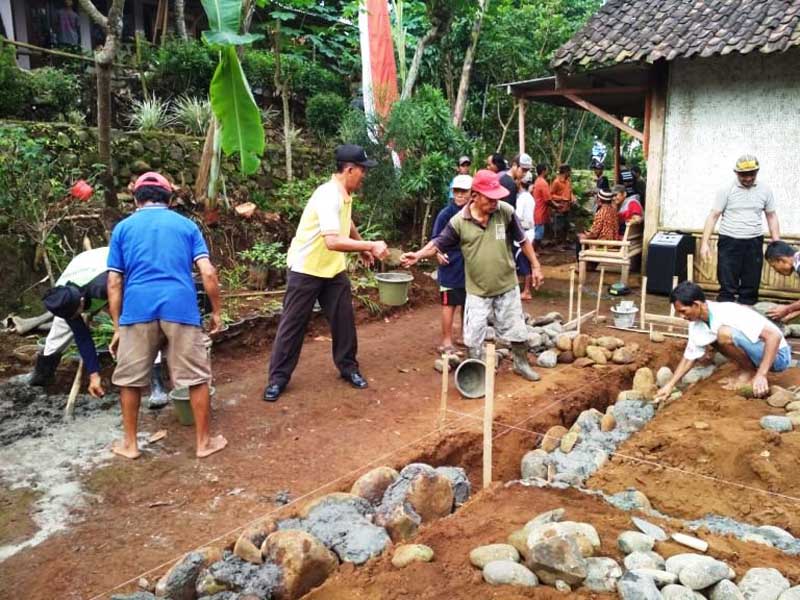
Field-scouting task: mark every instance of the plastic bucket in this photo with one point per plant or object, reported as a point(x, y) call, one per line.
point(393, 287)
point(624, 317)
point(470, 378)
point(182, 404)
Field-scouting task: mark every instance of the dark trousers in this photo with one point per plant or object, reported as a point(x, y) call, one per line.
point(739, 263)
point(335, 297)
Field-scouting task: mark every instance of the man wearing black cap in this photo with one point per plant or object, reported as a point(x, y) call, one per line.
point(317, 271)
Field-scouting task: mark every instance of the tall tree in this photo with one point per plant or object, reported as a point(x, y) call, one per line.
point(111, 24)
point(180, 19)
point(440, 16)
point(466, 69)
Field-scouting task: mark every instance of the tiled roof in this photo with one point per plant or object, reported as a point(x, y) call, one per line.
point(625, 31)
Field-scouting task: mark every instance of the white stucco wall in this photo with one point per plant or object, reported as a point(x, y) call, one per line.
point(718, 109)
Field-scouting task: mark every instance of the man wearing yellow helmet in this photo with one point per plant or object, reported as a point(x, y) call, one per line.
point(741, 234)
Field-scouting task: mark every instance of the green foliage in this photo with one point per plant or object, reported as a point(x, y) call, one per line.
point(149, 114)
point(193, 114)
point(290, 199)
point(267, 254)
point(233, 278)
point(324, 113)
point(181, 67)
point(16, 87)
point(307, 78)
point(54, 93)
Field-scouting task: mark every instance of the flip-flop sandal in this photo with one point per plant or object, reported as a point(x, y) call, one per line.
point(448, 349)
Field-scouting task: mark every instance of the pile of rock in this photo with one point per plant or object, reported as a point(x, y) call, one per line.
point(286, 559)
point(789, 400)
point(564, 554)
point(554, 345)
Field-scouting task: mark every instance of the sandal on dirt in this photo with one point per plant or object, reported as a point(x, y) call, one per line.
point(448, 349)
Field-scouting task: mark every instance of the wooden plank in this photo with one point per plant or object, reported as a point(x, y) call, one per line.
point(630, 89)
point(581, 280)
point(617, 153)
point(665, 320)
point(488, 416)
point(690, 267)
point(599, 293)
point(640, 330)
point(571, 291)
point(647, 107)
point(643, 303)
point(655, 156)
point(618, 123)
point(445, 379)
point(570, 325)
point(521, 117)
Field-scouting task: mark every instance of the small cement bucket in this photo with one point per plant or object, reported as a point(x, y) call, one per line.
point(182, 404)
point(393, 287)
point(471, 378)
point(624, 316)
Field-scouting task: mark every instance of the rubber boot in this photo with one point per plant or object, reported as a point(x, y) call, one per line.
point(45, 369)
point(158, 395)
point(521, 365)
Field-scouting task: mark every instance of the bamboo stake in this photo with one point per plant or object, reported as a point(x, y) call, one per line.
point(445, 378)
point(571, 290)
point(643, 303)
point(580, 298)
point(488, 416)
point(672, 306)
point(690, 267)
point(599, 294)
point(69, 409)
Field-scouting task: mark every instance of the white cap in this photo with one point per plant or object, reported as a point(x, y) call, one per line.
point(462, 182)
point(525, 161)
point(527, 178)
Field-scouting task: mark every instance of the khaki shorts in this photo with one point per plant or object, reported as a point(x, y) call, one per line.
point(186, 352)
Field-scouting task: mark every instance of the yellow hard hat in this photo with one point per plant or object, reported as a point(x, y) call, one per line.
point(746, 163)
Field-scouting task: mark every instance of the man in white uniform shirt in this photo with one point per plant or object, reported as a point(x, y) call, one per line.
point(744, 336)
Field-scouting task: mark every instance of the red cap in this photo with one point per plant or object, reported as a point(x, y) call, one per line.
point(154, 179)
point(487, 183)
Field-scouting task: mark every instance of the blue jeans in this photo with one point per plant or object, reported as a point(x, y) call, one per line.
point(538, 232)
point(755, 352)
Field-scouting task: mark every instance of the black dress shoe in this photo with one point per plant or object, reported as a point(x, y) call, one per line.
point(356, 380)
point(271, 392)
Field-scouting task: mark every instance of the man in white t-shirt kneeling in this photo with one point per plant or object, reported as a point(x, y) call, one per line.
point(744, 336)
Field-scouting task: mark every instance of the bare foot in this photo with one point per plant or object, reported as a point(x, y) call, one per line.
point(525, 296)
point(735, 382)
point(214, 444)
point(119, 447)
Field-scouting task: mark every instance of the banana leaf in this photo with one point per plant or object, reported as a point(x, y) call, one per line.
point(223, 15)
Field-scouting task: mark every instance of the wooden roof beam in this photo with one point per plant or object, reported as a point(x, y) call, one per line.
point(596, 110)
point(628, 89)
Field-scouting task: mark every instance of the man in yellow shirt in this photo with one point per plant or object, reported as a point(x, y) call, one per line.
point(317, 271)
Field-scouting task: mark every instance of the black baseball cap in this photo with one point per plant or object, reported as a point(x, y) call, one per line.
point(62, 300)
point(354, 154)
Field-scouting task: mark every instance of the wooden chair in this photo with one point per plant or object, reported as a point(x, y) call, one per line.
point(612, 253)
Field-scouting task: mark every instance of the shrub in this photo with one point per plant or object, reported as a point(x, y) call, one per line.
point(306, 78)
point(150, 114)
point(193, 114)
point(181, 67)
point(324, 113)
point(266, 254)
point(290, 199)
point(15, 86)
point(54, 92)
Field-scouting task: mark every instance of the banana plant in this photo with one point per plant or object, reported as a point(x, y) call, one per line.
point(240, 128)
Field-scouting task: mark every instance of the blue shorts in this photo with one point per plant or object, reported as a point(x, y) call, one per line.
point(523, 264)
point(755, 352)
point(538, 232)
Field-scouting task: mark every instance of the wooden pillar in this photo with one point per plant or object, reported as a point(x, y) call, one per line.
point(21, 31)
point(617, 147)
point(655, 155)
point(522, 102)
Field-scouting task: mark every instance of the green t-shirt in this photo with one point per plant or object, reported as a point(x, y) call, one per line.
point(488, 255)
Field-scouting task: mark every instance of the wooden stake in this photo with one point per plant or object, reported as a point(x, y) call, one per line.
point(488, 416)
point(672, 306)
point(69, 409)
point(690, 267)
point(599, 294)
point(571, 290)
point(445, 377)
point(643, 302)
point(580, 298)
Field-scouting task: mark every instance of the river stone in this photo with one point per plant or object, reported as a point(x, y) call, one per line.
point(248, 545)
point(535, 340)
point(564, 342)
point(644, 560)
point(776, 423)
point(508, 572)
point(608, 422)
point(678, 562)
point(547, 359)
point(568, 442)
point(658, 337)
point(304, 561)
point(648, 528)
point(630, 395)
point(779, 397)
point(134, 596)
point(775, 534)
point(659, 577)
point(372, 485)
point(566, 358)
point(179, 582)
point(597, 355)
point(726, 590)
point(534, 464)
point(631, 500)
point(792, 406)
point(339, 498)
point(763, 584)
point(557, 558)
point(622, 356)
point(233, 578)
point(602, 574)
point(405, 554)
point(562, 586)
point(579, 345)
point(663, 376)
point(699, 575)
point(584, 534)
point(794, 417)
point(545, 518)
point(552, 438)
point(430, 494)
point(483, 555)
point(697, 374)
point(645, 382)
point(519, 540)
point(676, 592)
point(609, 342)
point(791, 594)
point(582, 363)
point(634, 541)
point(636, 587)
point(459, 481)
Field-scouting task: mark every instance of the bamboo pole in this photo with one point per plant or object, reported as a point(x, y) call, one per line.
point(643, 303)
point(39, 50)
point(690, 267)
point(571, 290)
point(445, 378)
point(69, 409)
point(580, 298)
point(488, 416)
point(671, 305)
point(599, 294)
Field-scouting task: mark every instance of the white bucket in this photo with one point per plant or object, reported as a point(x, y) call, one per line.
point(624, 316)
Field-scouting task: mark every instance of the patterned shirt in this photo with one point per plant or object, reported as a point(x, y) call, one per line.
point(605, 225)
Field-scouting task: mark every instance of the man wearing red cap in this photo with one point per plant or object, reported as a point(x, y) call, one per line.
point(484, 230)
point(152, 299)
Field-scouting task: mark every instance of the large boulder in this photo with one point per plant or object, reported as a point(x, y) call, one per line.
point(459, 481)
point(602, 574)
point(579, 345)
point(644, 382)
point(233, 577)
point(584, 534)
point(726, 590)
point(534, 464)
point(372, 485)
point(763, 584)
point(179, 582)
point(597, 354)
point(634, 541)
point(637, 587)
point(483, 555)
point(305, 562)
point(508, 572)
point(700, 575)
point(552, 438)
point(557, 558)
point(248, 545)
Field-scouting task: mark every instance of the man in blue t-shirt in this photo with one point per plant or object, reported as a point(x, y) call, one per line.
point(151, 298)
point(451, 271)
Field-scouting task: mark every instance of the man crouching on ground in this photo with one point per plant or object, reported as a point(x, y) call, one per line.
point(484, 229)
point(152, 298)
point(745, 337)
